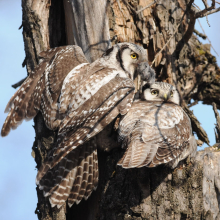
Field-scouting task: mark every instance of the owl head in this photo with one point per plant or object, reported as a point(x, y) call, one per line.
point(161, 91)
point(132, 59)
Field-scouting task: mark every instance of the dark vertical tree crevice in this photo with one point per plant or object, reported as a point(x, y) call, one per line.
point(56, 23)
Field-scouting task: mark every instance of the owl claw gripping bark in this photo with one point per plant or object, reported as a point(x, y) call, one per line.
point(79, 100)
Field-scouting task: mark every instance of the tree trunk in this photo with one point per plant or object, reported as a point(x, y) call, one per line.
point(192, 190)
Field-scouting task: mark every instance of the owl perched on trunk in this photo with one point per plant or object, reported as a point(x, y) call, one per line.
point(78, 99)
point(156, 129)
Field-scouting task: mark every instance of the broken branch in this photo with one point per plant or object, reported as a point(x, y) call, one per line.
point(208, 10)
point(203, 36)
point(18, 83)
point(207, 37)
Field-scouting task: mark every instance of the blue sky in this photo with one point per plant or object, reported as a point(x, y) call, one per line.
point(18, 197)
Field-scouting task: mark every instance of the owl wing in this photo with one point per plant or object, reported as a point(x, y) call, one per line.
point(41, 89)
point(159, 136)
point(132, 118)
point(114, 97)
point(73, 178)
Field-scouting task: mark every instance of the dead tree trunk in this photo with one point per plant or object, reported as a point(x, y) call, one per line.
point(165, 28)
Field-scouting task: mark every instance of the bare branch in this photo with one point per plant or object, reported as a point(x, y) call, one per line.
point(202, 135)
point(148, 6)
point(16, 85)
point(203, 36)
point(201, 27)
point(213, 3)
point(206, 15)
point(208, 10)
point(207, 37)
point(217, 126)
point(205, 3)
point(195, 5)
point(203, 12)
point(193, 104)
point(212, 12)
point(207, 20)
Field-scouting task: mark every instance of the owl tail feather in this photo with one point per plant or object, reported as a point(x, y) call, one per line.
point(73, 178)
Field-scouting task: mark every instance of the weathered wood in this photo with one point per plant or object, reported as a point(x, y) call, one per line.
point(35, 30)
point(87, 26)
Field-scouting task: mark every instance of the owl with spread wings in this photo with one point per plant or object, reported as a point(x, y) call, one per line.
point(77, 99)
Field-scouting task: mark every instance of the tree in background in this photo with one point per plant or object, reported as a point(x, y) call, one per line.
point(165, 29)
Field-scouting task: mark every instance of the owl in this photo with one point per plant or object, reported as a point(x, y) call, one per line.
point(77, 99)
point(156, 129)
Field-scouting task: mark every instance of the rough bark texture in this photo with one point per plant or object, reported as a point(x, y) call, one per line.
point(192, 190)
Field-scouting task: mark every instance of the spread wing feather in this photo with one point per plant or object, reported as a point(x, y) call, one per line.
point(17, 106)
point(155, 133)
point(47, 76)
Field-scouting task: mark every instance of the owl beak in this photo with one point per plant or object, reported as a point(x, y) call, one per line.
point(165, 97)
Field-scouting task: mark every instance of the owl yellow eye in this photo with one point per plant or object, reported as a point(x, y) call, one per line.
point(171, 94)
point(134, 56)
point(154, 92)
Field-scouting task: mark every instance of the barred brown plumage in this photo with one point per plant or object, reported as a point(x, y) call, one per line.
point(41, 89)
point(156, 130)
point(79, 100)
point(73, 178)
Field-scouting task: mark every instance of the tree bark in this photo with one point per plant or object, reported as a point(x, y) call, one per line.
point(192, 190)
point(87, 26)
